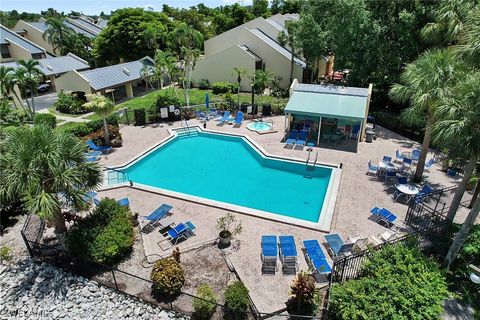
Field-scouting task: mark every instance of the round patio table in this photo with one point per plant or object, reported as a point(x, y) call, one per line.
point(407, 190)
point(386, 165)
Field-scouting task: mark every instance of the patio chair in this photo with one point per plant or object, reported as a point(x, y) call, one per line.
point(407, 163)
point(302, 139)
point(398, 156)
point(337, 247)
point(269, 254)
point(429, 164)
point(292, 138)
point(181, 231)
point(239, 118)
point(155, 217)
point(355, 131)
point(288, 254)
point(225, 117)
point(94, 147)
point(402, 180)
point(420, 196)
point(307, 125)
point(416, 154)
point(371, 168)
point(387, 159)
point(383, 215)
point(316, 259)
point(390, 175)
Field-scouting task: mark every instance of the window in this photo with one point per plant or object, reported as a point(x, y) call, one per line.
point(38, 56)
point(4, 51)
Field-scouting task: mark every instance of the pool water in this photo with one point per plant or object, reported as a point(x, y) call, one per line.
point(228, 169)
point(259, 126)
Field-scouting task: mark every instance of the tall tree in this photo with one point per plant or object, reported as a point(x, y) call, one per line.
point(262, 80)
point(47, 168)
point(163, 62)
point(29, 76)
point(184, 36)
point(239, 73)
point(57, 34)
point(8, 83)
point(425, 82)
point(288, 37)
point(190, 57)
point(103, 107)
point(260, 8)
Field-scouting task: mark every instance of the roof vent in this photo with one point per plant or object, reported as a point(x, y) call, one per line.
point(49, 67)
point(126, 71)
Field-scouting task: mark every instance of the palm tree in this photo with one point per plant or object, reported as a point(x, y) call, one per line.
point(287, 37)
point(47, 169)
point(190, 56)
point(57, 33)
point(469, 47)
point(153, 35)
point(32, 76)
point(103, 107)
point(184, 36)
point(146, 75)
point(163, 64)
point(239, 73)
point(262, 80)
point(459, 117)
point(425, 82)
point(8, 83)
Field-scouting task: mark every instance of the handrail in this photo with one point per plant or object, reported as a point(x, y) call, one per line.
point(308, 159)
point(316, 158)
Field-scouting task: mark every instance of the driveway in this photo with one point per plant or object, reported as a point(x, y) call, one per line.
point(44, 101)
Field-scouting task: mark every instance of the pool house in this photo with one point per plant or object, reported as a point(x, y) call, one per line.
point(333, 116)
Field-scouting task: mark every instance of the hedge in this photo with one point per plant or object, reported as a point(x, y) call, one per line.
point(82, 129)
point(105, 236)
point(46, 119)
point(223, 87)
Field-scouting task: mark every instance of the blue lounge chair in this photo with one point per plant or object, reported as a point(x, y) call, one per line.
point(407, 163)
point(181, 231)
point(383, 215)
point(416, 154)
point(337, 245)
point(239, 118)
point(155, 217)
point(316, 258)
point(429, 164)
point(372, 169)
point(125, 202)
point(387, 159)
point(398, 156)
point(94, 147)
point(288, 254)
point(89, 197)
point(302, 139)
point(292, 138)
point(269, 254)
point(225, 117)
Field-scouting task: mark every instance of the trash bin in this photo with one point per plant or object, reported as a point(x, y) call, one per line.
point(369, 136)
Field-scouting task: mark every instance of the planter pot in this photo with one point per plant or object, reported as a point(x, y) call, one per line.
point(225, 239)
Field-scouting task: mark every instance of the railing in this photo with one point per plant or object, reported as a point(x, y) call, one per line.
point(115, 176)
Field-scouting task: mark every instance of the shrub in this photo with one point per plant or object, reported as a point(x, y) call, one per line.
point(278, 108)
point(8, 113)
point(140, 117)
point(66, 103)
point(99, 136)
point(5, 253)
point(399, 272)
point(223, 87)
point(205, 309)
point(302, 294)
point(166, 100)
point(229, 226)
point(167, 276)
point(46, 119)
point(105, 236)
point(153, 113)
point(236, 298)
point(204, 84)
point(83, 129)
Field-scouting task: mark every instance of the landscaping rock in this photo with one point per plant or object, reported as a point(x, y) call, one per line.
point(32, 291)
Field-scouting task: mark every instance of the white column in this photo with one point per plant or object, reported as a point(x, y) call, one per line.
point(319, 128)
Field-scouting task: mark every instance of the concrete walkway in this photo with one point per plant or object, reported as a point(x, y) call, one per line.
point(66, 119)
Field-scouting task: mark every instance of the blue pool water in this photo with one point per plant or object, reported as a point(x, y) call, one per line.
point(228, 169)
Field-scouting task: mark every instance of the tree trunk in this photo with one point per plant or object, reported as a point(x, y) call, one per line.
point(423, 155)
point(475, 195)
point(238, 94)
point(161, 83)
point(457, 198)
point(460, 237)
point(292, 61)
point(105, 129)
point(33, 105)
point(59, 221)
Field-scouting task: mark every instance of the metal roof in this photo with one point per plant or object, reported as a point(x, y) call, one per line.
point(275, 45)
point(7, 36)
point(86, 23)
point(328, 101)
point(56, 65)
point(102, 23)
point(42, 26)
point(116, 75)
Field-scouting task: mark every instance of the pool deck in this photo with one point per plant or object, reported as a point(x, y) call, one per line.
point(358, 193)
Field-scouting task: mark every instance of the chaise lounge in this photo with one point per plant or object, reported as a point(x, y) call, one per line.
point(288, 254)
point(156, 218)
point(269, 254)
point(316, 259)
point(94, 147)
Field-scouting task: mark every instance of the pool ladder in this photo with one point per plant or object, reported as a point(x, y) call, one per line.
point(311, 167)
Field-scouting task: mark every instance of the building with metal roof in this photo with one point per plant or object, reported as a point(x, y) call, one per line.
point(107, 79)
point(14, 47)
point(332, 114)
point(34, 31)
point(251, 46)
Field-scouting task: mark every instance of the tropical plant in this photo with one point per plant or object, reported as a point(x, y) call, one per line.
point(206, 303)
point(184, 36)
point(48, 169)
point(163, 65)
point(103, 107)
point(397, 272)
point(302, 294)
point(223, 87)
point(67, 103)
point(105, 236)
point(57, 33)
point(288, 37)
point(190, 56)
point(458, 117)
point(146, 74)
point(239, 73)
point(262, 80)
point(154, 35)
point(425, 82)
point(28, 76)
point(229, 226)
point(236, 298)
point(46, 119)
point(203, 84)
point(167, 276)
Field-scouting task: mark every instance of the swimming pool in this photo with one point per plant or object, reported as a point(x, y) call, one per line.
point(230, 169)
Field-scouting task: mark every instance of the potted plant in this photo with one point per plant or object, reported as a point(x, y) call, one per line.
point(229, 227)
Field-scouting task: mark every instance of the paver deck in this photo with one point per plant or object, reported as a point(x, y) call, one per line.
point(358, 193)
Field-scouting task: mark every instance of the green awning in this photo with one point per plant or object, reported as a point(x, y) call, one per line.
point(329, 105)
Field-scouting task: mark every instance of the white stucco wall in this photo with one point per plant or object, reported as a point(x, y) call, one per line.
point(72, 81)
point(17, 52)
point(219, 67)
point(35, 35)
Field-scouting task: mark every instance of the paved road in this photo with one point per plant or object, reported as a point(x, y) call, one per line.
point(44, 101)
